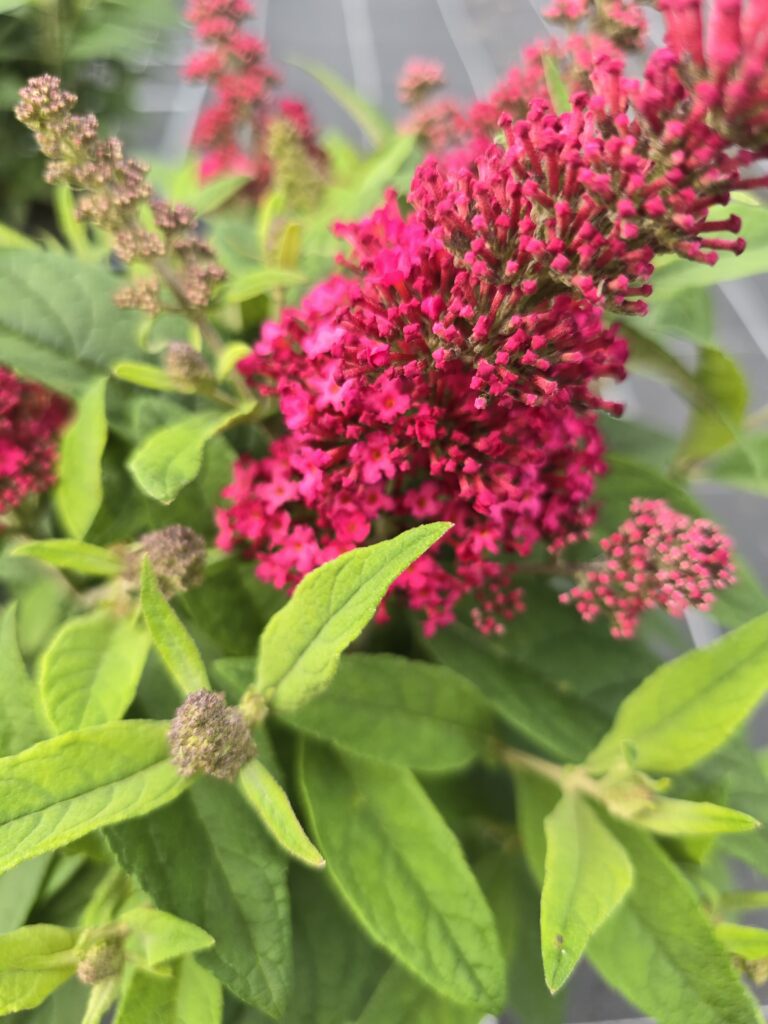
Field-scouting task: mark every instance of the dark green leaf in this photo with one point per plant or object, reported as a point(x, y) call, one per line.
point(426, 909)
point(400, 999)
point(222, 872)
point(58, 323)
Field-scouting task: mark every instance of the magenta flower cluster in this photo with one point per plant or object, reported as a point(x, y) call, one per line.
point(658, 558)
point(31, 418)
point(454, 372)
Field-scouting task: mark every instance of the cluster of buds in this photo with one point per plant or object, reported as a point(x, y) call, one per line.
point(177, 556)
point(101, 961)
point(234, 130)
point(298, 166)
point(621, 21)
point(418, 79)
point(113, 194)
point(209, 738)
point(658, 558)
point(31, 418)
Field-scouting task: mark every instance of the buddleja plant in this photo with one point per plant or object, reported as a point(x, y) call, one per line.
point(337, 679)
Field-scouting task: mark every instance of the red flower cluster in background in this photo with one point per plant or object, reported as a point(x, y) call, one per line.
point(232, 130)
point(454, 373)
point(30, 420)
point(658, 558)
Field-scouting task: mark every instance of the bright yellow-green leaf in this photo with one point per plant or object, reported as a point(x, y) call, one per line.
point(271, 803)
point(79, 492)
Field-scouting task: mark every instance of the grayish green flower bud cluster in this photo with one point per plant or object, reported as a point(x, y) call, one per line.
point(209, 738)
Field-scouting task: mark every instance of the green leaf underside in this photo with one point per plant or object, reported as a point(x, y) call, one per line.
point(586, 876)
point(658, 949)
point(423, 716)
point(403, 874)
point(269, 800)
point(689, 707)
point(190, 996)
point(560, 723)
point(227, 877)
point(300, 647)
point(172, 456)
point(21, 715)
point(33, 962)
point(74, 555)
point(79, 492)
point(91, 670)
point(19, 889)
point(58, 323)
point(164, 936)
point(170, 637)
point(64, 788)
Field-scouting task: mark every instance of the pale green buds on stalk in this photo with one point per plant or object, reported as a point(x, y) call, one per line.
point(103, 961)
point(253, 707)
point(209, 738)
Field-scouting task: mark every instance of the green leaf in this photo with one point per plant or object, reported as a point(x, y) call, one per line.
point(79, 492)
point(743, 940)
point(400, 999)
point(150, 376)
point(300, 648)
point(555, 720)
point(224, 874)
point(689, 707)
point(10, 238)
point(427, 909)
point(171, 457)
point(170, 637)
point(671, 817)
point(586, 876)
point(190, 996)
point(510, 892)
point(269, 800)
point(90, 672)
point(21, 715)
point(423, 716)
point(33, 962)
point(719, 412)
point(744, 466)
point(556, 87)
point(659, 949)
point(229, 357)
point(73, 231)
point(260, 282)
point(73, 555)
point(58, 323)
point(371, 121)
point(164, 936)
point(64, 788)
point(19, 889)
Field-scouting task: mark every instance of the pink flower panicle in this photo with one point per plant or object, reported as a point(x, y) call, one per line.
point(621, 21)
point(31, 418)
point(453, 373)
point(418, 79)
point(658, 558)
point(112, 193)
point(232, 131)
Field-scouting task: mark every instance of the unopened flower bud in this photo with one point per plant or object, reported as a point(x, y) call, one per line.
point(253, 707)
point(207, 737)
point(185, 364)
point(177, 556)
point(100, 962)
